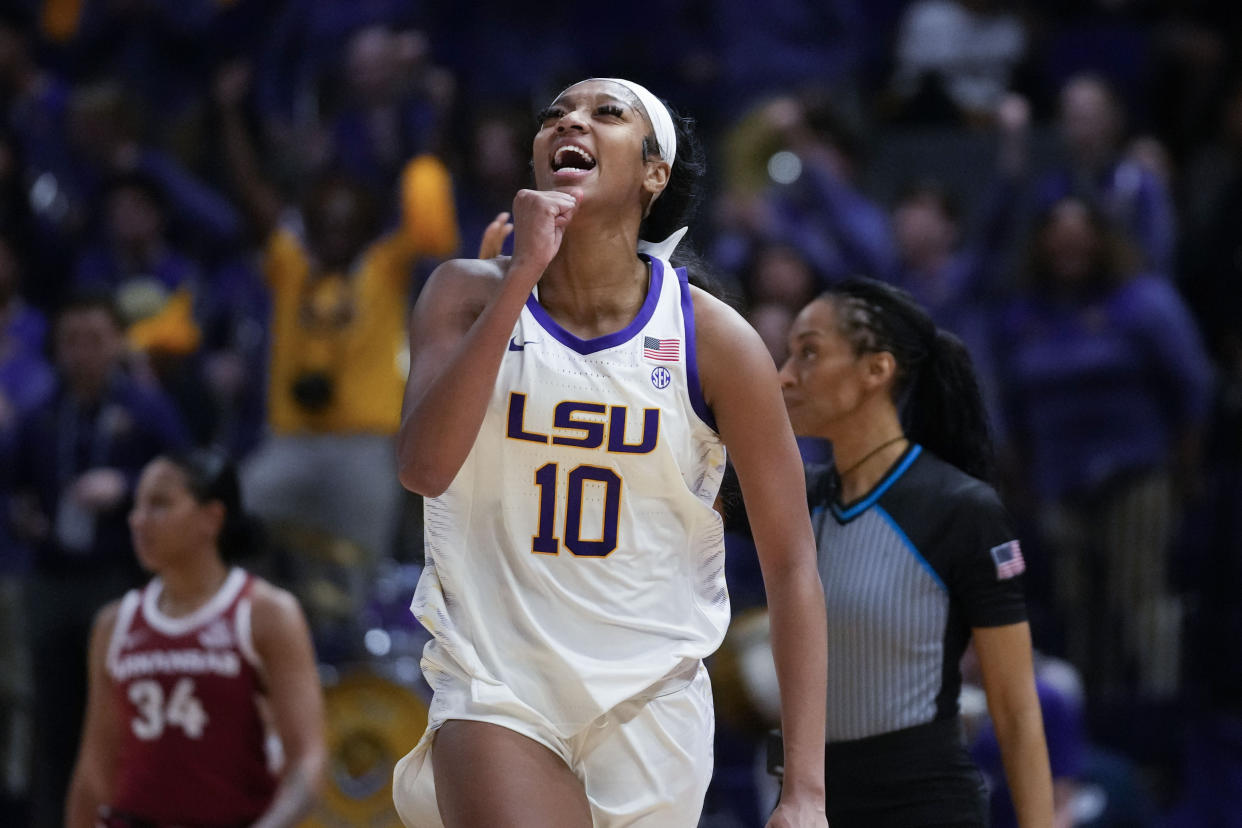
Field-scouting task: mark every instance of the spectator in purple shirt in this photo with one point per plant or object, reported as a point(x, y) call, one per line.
point(75, 462)
point(1092, 124)
point(1107, 390)
point(134, 245)
point(105, 133)
point(949, 271)
point(803, 193)
point(26, 379)
point(25, 376)
point(393, 105)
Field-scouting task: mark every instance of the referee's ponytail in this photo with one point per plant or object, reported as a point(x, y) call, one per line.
point(936, 393)
point(944, 409)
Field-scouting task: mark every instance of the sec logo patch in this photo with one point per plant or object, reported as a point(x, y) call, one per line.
point(660, 377)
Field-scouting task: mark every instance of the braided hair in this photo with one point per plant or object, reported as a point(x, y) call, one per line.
point(936, 392)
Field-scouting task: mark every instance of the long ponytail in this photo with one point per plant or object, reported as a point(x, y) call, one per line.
point(936, 392)
point(944, 409)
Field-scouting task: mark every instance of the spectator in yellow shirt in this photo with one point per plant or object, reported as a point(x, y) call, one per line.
point(341, 287)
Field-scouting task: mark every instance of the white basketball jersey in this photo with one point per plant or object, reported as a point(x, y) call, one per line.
point(576, 558)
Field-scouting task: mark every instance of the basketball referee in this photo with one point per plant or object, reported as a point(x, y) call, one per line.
point(918, 561)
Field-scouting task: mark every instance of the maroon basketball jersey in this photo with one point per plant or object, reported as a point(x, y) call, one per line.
point(193, 744)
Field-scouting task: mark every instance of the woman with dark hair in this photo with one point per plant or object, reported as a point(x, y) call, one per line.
point(1106, 392)
point(566, 417)
point(918, 561)
point(190, 674)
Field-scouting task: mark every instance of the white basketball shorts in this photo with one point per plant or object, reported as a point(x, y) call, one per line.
point(646, 763)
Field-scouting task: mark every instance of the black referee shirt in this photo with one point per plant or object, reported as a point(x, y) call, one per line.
point(908, 570)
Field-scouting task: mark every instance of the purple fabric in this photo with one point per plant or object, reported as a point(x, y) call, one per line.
point(603, 343)
point(26, 332)
point(98, 267)
point(1101, 387)
point(692, 360)
point(1133, 197)
point(305, 44)
point(357, 151)
point(972, 275)
point(26, 380)
point(195, 207)
point(839, 230)
point(786, 45)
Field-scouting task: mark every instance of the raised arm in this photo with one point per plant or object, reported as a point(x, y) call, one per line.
point(94, 774)
point(741, 386)
point(459, 330)
point(262, 202)
point(283, 644)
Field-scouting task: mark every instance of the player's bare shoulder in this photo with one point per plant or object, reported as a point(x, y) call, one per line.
point(105, 619)
point(267, 599)
point(459, 289)
point(469, 276)
point(719, 329)
point(729, 350)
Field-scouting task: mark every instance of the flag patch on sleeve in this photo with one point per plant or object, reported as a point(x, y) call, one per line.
point(1008, 559)
point(665, 350)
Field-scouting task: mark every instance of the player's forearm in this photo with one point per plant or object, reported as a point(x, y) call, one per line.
point(800, 651)
point(81, 805)
point(296, 794)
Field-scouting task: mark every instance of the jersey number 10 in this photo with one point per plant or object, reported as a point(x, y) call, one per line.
point(546, 542)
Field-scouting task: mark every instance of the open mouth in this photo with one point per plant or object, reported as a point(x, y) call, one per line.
point(572, 157)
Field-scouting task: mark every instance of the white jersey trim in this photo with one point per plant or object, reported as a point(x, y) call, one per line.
point(245, 634)
point(124, 618)
point(215, 605)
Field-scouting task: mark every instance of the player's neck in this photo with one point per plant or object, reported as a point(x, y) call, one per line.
point(594, 291)
point(188, 587)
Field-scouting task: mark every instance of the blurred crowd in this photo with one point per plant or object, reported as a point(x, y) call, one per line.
point(215, 214)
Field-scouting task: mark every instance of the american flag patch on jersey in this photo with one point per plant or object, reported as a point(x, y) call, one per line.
point(665, 350)
point(1008, 559)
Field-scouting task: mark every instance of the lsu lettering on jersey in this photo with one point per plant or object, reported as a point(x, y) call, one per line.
point(576, 561)
point(193, 747)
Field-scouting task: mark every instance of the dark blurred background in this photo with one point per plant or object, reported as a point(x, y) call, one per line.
point(228, 206)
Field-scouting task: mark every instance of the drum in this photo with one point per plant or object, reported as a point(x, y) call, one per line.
point(372, 722)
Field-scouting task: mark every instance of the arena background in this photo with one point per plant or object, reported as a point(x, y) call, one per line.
point(166, 151)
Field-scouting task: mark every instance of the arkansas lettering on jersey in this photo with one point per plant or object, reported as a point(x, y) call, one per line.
point(193, 739)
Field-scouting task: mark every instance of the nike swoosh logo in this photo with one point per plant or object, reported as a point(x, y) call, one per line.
point(514, 346)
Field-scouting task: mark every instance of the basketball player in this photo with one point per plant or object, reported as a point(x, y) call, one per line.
point(566, 417)
point(918, 559)
point(188, 673)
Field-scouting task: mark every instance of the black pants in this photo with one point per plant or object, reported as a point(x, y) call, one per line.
point(919, 777)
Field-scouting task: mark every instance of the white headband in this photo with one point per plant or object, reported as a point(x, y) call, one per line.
point(657, 113)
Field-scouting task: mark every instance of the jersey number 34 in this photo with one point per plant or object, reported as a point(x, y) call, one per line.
point(183, 709)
